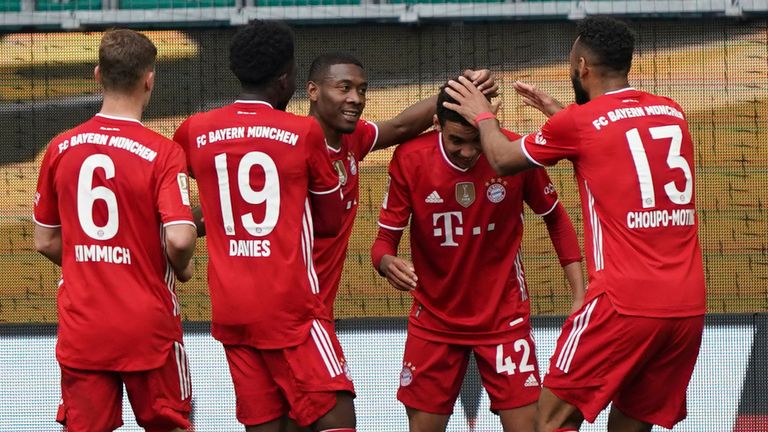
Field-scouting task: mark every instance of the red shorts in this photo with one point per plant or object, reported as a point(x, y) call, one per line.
point(642, 365)
point(299, 381)
point(433, 372)
point(160, 398)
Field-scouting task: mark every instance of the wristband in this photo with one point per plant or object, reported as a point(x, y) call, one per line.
point(484, 116)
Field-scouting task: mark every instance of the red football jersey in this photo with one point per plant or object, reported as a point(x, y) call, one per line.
point(255, 167)
point(633, 158)
point(330, 252)
point(112, 185)
point(466, 229)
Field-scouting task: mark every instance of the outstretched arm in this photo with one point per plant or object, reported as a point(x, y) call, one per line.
point(566, 245)
point(418, 117)
point(535, 98)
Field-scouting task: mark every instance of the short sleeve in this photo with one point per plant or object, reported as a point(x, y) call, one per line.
point(396, 207)
point(539, 192)
point(364, 138)
point(173, 188)
point(323, 179)
point(558, 139)
point(46, 212)
point(182, 138)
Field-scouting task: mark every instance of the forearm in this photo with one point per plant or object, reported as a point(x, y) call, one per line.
point(48, 243)
point(408, 124)
point(575, 280)
point(386, 243)
point(180, 245)
point(563, 235)
point(505, 156)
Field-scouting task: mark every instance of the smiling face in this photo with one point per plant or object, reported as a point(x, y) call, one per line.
point(461, 143)
point(338, 99)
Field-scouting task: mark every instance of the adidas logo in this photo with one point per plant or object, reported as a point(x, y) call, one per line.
point(433, 198)
point(531, 381)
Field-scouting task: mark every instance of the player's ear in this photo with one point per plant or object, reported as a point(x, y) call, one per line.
point(149, 80)
point(583, 67)
point(97, 74)
point(436, 123)
point(313, 91)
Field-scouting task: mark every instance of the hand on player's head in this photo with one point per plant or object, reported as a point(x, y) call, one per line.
point(484, 81)
point(470, 102)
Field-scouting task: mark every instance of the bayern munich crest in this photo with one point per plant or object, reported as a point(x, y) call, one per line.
point(352, 164)
point(496, 190)
point(406, 375)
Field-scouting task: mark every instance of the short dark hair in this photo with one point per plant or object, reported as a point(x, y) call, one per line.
point(448, 115)
point(124, 57)
point(612, 41)
point(323, 62)
point(260, 52)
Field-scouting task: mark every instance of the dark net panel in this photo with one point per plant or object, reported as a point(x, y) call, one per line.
point(717, 70)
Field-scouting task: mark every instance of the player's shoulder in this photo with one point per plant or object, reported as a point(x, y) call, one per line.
point(662, 100)
point(418, 147)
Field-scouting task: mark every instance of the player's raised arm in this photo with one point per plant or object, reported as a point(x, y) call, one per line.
point(505, 156)
point(536, 98)
point(418, 117)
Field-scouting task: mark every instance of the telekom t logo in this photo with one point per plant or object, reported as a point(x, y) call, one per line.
point(446, 227)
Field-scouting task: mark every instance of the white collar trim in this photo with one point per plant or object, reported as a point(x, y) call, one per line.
point(620, 90)
point(445, 156)
point(254, 102)
point(111, 117)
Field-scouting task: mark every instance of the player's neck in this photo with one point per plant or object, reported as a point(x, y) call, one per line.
point(332, 136)
point(118, 105)
point(607, 85)
point(257, 95)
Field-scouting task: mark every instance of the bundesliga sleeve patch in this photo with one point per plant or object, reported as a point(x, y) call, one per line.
point(183, 188)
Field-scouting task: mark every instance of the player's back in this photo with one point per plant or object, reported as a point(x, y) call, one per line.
point(635, 169)
point(253, 168)
point(117, 306)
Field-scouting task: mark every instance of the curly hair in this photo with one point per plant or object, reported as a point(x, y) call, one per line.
point(260, 51)
point(323, 62)
point(124, 57)
point(444, 114)
point(610, 40)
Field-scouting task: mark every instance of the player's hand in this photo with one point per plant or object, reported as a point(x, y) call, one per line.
point(536, 98)
point(483, 80)
point(470, 100)
point(399, 272)
point(186, 274)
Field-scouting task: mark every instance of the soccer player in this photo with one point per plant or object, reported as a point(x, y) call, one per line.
point(467, 275)
point(337, 90)
point(112, 209)
point(267, 187)
point(636, 339)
